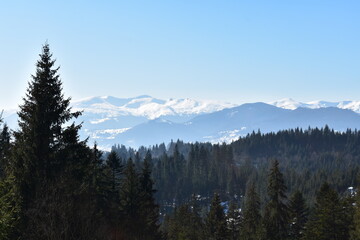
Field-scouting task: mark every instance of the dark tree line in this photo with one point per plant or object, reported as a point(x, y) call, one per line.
point(332, 217)
point(307, 158)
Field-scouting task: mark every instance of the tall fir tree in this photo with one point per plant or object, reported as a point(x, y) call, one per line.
point(276, 215)
point(298, 216)
point(4, 149)
point(216, 226)
point(113, 162)
point(328, 221)
point(233, 217)
point(355, 232)
point(8, 203)
point(149, 209)
point(130, 203)
point(251, 223)
point(49, 162)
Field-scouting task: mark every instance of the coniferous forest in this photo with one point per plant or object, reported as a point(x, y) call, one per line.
point(293, 184)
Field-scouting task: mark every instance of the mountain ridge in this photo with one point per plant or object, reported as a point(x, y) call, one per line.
point(144, 120)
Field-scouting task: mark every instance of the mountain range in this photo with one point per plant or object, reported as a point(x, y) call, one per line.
point(145, 121)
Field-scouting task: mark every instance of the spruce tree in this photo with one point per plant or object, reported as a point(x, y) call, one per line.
point(178, 225)
point(196, 223)
point(4, 149)
point(276, 212)
point(355, 233)
point(9, 209)
point(233, 221)
point(41, 117)
point(215, 221)
point(113, 162)
point(49, 162)
point(8, 203)
point(251, 223)
point(149, 209)
point(298, 216)
point(130, 203)
point(328, 222)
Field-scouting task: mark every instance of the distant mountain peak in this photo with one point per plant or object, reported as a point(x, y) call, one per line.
point(289, 103)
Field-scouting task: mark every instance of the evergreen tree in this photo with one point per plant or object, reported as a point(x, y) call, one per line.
point(355, 233)
point(298, 216)
point(41, 117)
point(49, 162)
point(113, 162)
point(216, 221)
point(329, 219)
point(130, 203)
point(251, 223)
point(149, 209)
point(185, 222)
point(4, 149)
point(233, 221)
point(178, 226)
point(195, 222)
point(9, 209)
point(276, 211)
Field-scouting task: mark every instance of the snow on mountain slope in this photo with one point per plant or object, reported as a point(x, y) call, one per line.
point(145, 120)
point(148, 107)
point(228, 124)
point(288, 103)
point(106, 118)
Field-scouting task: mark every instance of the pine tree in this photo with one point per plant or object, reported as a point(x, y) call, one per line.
point(298, 216)
point(355, 233)
point(4, 149)
point(8, 203)
point(216, 221)
point(276, 212)
point(149, 209)
point(9, 209)
point(328, 221)
point(41, 117)
point(113, 162)
point(130, 203)
point(185, 223)
point(233, 221)
point(49, 162)
point(251, 223)
point(196, 224)
point(178, 225)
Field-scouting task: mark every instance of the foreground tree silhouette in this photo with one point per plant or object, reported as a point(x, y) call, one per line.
point(49, 162)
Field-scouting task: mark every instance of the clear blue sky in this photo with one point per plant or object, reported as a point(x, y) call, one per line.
point(237, 51)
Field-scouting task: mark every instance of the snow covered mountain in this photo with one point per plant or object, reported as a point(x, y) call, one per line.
point(289, 103)
point(106, 118)
point(145, 120)
point(228, 124)
point(147, 106)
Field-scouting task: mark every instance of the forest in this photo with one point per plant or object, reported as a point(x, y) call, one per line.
point(293, 184)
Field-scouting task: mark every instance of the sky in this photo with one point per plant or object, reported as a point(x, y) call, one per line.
point(235, 51)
